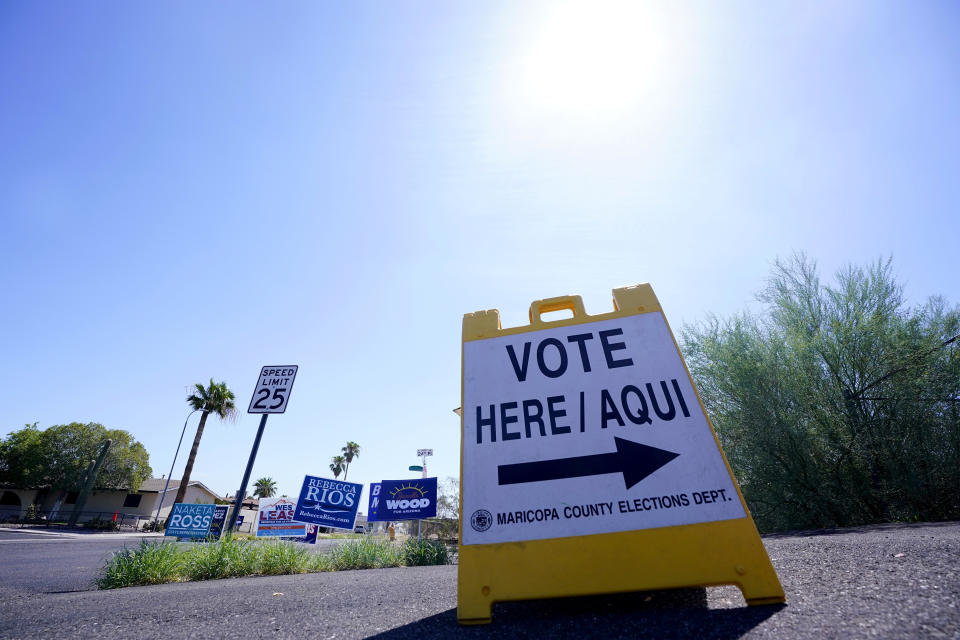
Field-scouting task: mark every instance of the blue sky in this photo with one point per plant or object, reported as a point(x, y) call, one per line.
point(192, 191)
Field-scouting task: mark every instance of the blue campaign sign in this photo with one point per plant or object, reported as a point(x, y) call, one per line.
point(407, 499)
point(219, 517)
point(328, 503)
point(190, 520)
point(373, 502)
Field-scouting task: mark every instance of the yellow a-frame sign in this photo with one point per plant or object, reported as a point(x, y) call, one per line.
point(588, 464)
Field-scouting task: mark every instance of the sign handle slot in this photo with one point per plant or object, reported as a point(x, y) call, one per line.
point(574, 304)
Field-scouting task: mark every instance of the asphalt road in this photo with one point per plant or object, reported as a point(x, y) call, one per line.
point(50, 562)
point(888, 581)
point(36, 562)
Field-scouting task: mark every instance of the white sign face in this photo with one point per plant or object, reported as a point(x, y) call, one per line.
point(275, 519)
point(586, 429)
point(273, 389)
point(424, 452)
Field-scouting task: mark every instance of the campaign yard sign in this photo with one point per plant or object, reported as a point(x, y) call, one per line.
point(328, 503)
point(219, 517)
point(373, 502)
point(275, 519)
point(190, 520)
point(407, 499)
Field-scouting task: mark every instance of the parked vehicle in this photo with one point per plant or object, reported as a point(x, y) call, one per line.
point(359, 529)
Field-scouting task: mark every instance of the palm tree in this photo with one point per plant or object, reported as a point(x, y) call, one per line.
point(216, 398)
point(265, 488)
point(350, 451)
point(337, 466)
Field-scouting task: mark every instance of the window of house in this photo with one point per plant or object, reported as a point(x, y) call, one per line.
point(132, 500)
point(10, 499)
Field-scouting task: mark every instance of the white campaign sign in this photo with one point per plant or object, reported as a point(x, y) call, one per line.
point(586, 429)
point(273, 389)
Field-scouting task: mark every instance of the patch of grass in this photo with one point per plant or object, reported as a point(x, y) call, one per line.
point(365, 553)
point(225, 558)
point(320, 562)
point(421, 553)
point(159, 562)
point(150, 563)
point(372, 553)
point(279, 558)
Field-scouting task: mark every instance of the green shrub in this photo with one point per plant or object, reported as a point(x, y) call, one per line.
point(419, 553)
point(150, 563)
point(101, 524)
point(835, 403)
point(155, 525)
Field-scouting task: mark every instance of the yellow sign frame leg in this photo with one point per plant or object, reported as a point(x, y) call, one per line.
point(727, 552)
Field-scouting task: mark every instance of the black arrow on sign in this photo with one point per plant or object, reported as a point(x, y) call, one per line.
point(634, 460)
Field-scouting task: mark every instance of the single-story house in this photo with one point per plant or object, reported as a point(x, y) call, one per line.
point(133, 508)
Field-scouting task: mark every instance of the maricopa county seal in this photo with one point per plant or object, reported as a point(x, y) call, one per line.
point(481, 520)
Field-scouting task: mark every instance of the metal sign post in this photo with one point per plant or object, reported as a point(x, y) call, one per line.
point(241, 494)
point(271, 395)
point(423, 453)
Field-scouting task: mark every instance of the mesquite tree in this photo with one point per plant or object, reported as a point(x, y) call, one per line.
point(838, 404)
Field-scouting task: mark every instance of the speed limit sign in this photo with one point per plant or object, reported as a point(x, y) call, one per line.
point(273, 389)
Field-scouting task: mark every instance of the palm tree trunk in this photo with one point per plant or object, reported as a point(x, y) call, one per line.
point(185, 480)
point(345, 469)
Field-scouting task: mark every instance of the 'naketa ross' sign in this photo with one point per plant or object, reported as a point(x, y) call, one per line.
point(581, 429)
point(190, 520)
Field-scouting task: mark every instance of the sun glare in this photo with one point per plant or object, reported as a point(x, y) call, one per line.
point(591, 57)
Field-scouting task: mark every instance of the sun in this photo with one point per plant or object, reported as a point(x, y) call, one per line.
point(591, 57)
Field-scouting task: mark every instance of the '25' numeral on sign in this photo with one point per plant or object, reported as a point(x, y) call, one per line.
point(265, 395)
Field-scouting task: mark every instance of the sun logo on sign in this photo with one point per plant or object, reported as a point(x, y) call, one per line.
point(407, 492)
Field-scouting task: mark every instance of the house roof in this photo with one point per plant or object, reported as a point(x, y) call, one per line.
point(250, 502)
point(150, 485)
point(156, 485)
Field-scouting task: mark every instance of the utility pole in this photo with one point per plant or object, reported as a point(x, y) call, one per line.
point(163, 496)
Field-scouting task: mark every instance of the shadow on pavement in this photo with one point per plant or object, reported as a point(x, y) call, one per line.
point(681, 613)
